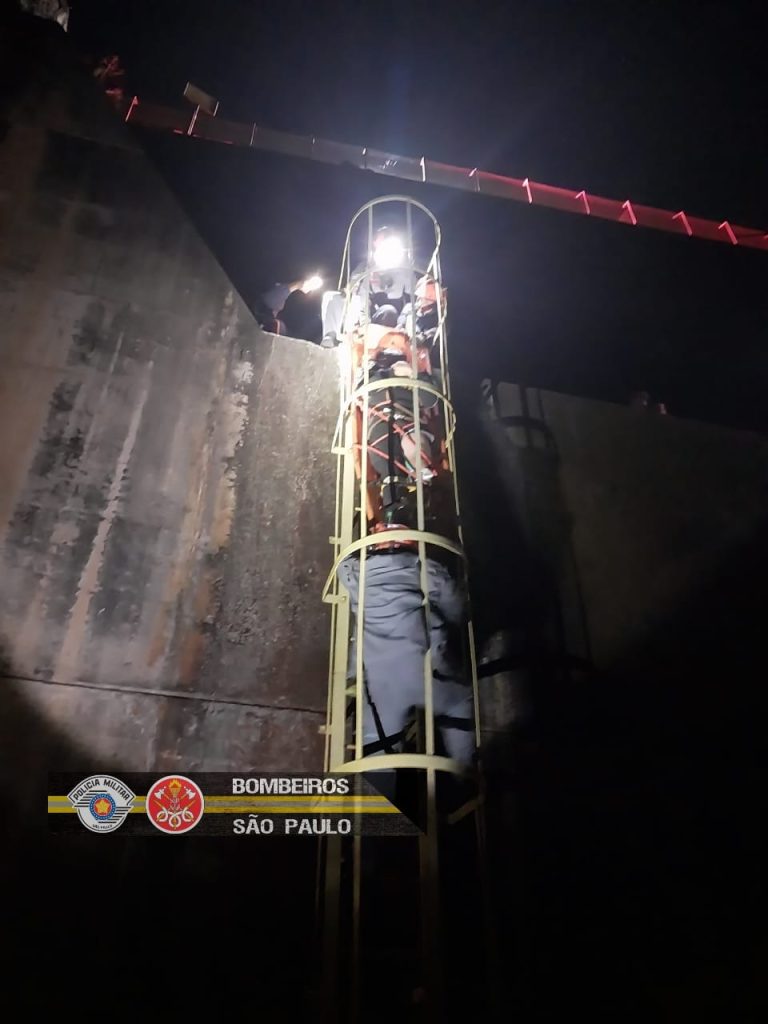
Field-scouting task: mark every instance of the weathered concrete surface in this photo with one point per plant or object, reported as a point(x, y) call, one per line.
point(166, 486)
point(653, 505)
point(619, 563)
point(610, 520)
point(166, 495)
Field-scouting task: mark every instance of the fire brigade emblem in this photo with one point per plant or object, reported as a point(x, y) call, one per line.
point(101, 802)
point(175, 804)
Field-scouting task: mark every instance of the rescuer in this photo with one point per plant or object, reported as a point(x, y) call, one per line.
point(391, 321)
point(396, 636)
point(384, 290)
point(427, 311)
point(395, 456)
point(397, 453)
point(274, 300)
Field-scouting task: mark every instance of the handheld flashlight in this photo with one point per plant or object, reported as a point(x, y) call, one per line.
point(312, 283)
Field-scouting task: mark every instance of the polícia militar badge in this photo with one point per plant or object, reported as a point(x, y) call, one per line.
point(101, 802)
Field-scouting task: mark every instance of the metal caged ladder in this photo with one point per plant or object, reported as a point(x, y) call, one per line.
point(366, 882)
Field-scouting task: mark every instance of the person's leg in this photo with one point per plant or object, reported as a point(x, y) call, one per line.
point(454, 714)
point(385, 451)
point(455, 708)
point(332, 314)
point(405, 320)
point(410, 452)
point(387, 708)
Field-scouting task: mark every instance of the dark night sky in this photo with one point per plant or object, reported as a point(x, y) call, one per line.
point(663, 102)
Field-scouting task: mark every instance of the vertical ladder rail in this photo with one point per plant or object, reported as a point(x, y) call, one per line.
point(356, 500)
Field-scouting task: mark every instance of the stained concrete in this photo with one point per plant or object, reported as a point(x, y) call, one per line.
point(605, 521)
point(619, 563)
point(166, 495)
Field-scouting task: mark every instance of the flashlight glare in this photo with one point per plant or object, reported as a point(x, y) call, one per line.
point(388, 253)
point(312, 283)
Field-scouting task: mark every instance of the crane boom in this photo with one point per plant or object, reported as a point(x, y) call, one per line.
point(202, 126)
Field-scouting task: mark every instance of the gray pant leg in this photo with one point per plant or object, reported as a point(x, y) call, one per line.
point(391, 713)
point(391, 707)
point(333, 313)
point(370, 733)
point(455, 703)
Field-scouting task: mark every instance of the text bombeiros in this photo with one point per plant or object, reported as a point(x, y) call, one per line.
point(307, 786)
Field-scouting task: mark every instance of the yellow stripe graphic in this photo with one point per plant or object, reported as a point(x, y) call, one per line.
point(264, 805)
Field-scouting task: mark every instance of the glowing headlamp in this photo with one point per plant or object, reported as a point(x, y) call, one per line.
point(388, 252)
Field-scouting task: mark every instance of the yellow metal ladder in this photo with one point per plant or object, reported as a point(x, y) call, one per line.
point(343, 886)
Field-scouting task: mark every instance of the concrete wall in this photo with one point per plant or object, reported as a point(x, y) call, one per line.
point(653, 506)
point(604, 523)
point(619, 563)
point(166, 495)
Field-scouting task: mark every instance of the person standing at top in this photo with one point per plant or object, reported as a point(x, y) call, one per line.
point(386, 289)
point(274, 300)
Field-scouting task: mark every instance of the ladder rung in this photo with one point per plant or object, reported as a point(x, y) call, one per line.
point(461, 812)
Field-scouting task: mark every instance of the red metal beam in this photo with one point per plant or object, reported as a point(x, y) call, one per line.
point(202, 126)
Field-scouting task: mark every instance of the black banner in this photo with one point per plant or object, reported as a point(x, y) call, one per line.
point(217, 804)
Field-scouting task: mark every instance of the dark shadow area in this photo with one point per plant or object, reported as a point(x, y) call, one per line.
point(186, 924)
point(513, 588)
point(626, 809)
point(642, 818)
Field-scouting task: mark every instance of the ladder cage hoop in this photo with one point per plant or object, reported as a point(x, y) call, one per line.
point(396, 490)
